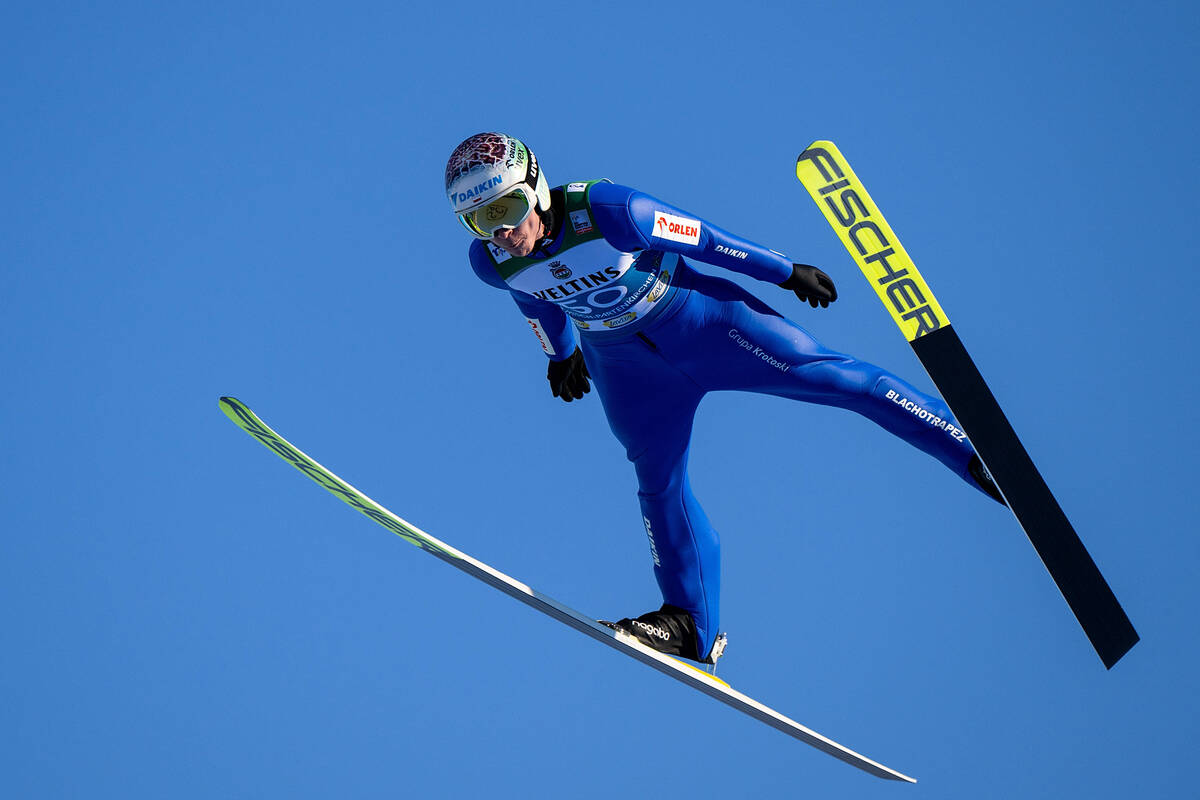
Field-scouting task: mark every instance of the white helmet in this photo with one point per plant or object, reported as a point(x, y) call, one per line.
point(493, 182)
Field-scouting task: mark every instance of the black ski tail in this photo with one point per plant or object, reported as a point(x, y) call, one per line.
point(1059, 546)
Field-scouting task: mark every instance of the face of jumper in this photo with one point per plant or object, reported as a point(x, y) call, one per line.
point(495, 187)
point(521, 240)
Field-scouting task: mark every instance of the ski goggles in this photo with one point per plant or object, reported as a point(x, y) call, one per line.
point(504, 212)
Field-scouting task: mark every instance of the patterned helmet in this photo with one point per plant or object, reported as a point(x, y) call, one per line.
point(490, 166)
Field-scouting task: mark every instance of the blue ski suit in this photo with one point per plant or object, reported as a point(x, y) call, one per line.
point(657, 336)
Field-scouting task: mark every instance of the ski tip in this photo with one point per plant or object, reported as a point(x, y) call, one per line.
point(233, 408)
point(819, 144)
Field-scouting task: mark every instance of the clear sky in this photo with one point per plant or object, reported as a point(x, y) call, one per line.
point(246, 199)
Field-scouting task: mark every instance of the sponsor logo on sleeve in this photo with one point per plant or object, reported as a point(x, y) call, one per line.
point(581, 222)
point(540, 333)
point(729, 251)
point(576, 188)
point(676, 229)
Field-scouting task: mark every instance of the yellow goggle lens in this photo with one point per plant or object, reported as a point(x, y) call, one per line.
point(507, 211)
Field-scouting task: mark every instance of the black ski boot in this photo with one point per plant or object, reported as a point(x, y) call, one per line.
point(984, 479)
point(669, 630)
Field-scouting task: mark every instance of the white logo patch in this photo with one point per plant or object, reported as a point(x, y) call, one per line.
point(580, 221)
point(576, 188)
point(677, 229)
point(499, 253)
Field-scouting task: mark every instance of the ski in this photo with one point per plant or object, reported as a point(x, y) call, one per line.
point(684, 673)
point(873, 245)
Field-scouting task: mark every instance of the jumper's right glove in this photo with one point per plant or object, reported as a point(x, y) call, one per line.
point(569, 377)
point(811, 285)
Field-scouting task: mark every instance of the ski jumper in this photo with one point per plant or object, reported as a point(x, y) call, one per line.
point(657, 336)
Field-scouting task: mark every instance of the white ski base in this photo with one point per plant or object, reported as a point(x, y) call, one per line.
point(684, 673)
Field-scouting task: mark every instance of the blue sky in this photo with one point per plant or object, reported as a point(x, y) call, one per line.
point(247, 201)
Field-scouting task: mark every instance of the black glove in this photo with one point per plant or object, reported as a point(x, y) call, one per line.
point(812, 285)
point(569, 377)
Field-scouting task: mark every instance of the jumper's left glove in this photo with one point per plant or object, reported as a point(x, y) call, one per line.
point(569, 377)
point(811, 285)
